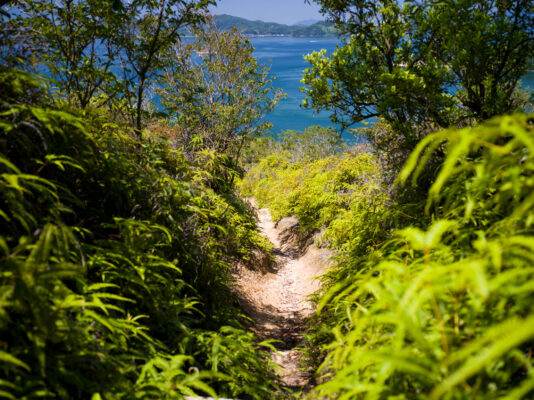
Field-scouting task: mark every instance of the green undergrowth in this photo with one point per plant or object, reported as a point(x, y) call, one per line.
point(115, 261)
point(330, 193)
point(439, 304)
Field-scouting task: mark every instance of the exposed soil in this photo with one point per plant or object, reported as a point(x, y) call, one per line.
point(275, 295)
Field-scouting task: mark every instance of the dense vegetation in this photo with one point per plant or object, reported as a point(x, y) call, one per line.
point(120, 220)
point(332, 189)
point(115, 262)
point(431, 294)
point(428, 300)
point(421, 66)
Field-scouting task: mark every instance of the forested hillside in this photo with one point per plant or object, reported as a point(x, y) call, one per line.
point(246, 27)
point(125, 167)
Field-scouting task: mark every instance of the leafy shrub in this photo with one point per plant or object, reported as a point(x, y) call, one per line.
point(312, 143)
point(115, 259)
point(443, 310)
point(431, 297)
point(338, 193)
point(218, 101)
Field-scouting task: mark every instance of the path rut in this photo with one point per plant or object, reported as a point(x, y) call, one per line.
point(277, 300)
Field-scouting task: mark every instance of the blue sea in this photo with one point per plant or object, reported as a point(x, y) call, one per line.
point(284, 55)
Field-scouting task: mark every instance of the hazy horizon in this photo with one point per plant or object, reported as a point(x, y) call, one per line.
point(306, 22)
point(289, 12)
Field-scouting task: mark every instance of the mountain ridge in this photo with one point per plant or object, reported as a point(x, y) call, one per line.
point(247, 27)
point(306, 22)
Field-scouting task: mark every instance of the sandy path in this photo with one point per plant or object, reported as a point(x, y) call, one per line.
point(277, 300)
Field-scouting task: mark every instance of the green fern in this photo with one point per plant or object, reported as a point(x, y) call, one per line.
point(445, 312)
point(114, 261)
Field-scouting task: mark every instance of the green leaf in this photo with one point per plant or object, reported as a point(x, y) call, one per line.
point(8, 358)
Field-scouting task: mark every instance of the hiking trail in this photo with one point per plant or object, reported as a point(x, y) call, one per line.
point(274, 295)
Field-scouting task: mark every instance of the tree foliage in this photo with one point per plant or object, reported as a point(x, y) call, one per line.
point(112, 49)
point(422, 65)
point(217, 92)
point(76, 41)
point(147, 36)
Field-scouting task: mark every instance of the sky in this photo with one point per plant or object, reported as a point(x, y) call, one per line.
point(281, 11)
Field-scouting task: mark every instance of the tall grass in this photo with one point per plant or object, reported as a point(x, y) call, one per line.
point(321, 192)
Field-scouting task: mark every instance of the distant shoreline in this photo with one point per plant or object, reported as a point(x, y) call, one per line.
point(248, 35)
point(251, 35)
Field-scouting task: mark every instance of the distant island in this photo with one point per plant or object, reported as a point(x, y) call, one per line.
point(259, 28)
point(308, 22)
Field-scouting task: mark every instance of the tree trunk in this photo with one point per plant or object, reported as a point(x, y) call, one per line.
point(138, 123)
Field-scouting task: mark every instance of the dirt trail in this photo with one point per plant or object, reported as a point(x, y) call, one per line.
point(276, 300)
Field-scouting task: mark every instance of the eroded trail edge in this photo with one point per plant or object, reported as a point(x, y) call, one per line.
point(274, 295)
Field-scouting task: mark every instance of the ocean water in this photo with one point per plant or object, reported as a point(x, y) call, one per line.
point(284, 55)
point(528, 80)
